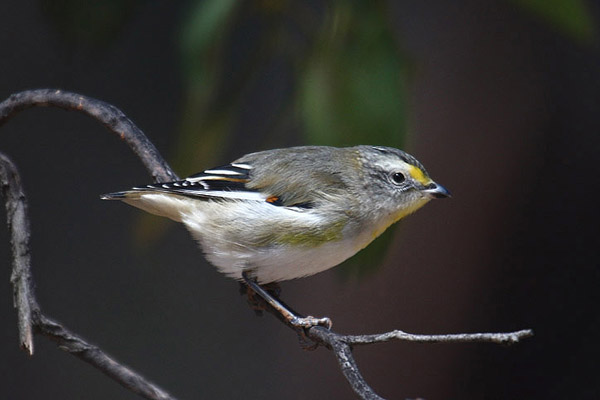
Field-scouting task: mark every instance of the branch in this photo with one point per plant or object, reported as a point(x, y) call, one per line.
point(18, 225)
point(32, 320)
point(341, 345)
point(345, 358)
point(317, 331)
point(108, 115)
point(497, 338)
point(75, 345)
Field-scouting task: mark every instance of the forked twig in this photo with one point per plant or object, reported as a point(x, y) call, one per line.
point(32, 320)
point(341, 345)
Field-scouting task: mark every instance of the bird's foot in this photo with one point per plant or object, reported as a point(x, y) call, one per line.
point(310, 321)
point(298, 322)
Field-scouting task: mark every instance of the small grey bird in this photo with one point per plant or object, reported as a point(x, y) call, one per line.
point(288, 213)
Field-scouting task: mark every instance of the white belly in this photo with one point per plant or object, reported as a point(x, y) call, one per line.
point(227, 233)
point(281, 263)
point(232, 251)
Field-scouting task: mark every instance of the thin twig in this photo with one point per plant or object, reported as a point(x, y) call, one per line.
point(18, 224)
point(498, 338)
point(341, 345)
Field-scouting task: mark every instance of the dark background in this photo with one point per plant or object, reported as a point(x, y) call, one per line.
point(501, 105)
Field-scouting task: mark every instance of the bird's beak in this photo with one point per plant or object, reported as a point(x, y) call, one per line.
point(437, 191)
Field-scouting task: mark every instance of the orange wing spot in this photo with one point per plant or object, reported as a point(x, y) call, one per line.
point(272, 199)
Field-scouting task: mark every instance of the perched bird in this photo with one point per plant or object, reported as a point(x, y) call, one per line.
point(288, 213)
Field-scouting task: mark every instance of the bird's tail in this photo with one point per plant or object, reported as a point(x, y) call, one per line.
point(118, 195)
point(152, 201)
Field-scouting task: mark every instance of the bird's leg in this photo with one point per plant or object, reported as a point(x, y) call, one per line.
point(286, 313)
point(255, 301)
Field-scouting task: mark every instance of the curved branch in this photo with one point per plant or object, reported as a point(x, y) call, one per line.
point(110, 116)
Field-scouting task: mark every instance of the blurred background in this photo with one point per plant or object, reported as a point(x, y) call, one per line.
point(499, 100)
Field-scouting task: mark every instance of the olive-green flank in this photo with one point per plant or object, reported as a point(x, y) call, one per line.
point(305, 237)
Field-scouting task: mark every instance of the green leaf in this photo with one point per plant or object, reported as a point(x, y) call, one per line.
point(353, 87)
point(570, 17)
point(205, 23)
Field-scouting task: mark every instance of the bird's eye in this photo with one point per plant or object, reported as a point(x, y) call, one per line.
point(398, 177)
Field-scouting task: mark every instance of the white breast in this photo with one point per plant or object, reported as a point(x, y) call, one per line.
point(225, 231)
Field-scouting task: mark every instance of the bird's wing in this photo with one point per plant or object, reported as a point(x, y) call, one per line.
point(225, 182)
point(282, 177)
point(299, 177)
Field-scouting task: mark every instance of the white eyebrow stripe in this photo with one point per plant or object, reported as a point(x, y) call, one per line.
point(242, 166)
point(221, 172)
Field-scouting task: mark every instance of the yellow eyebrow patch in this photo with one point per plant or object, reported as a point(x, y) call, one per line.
point(418, 175)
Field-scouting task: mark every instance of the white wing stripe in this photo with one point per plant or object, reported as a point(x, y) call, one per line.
point(242, 166)
point(221, 172)
point(207, 178)
point(228, 195)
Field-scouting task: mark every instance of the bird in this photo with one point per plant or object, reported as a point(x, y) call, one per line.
point(289, 213)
